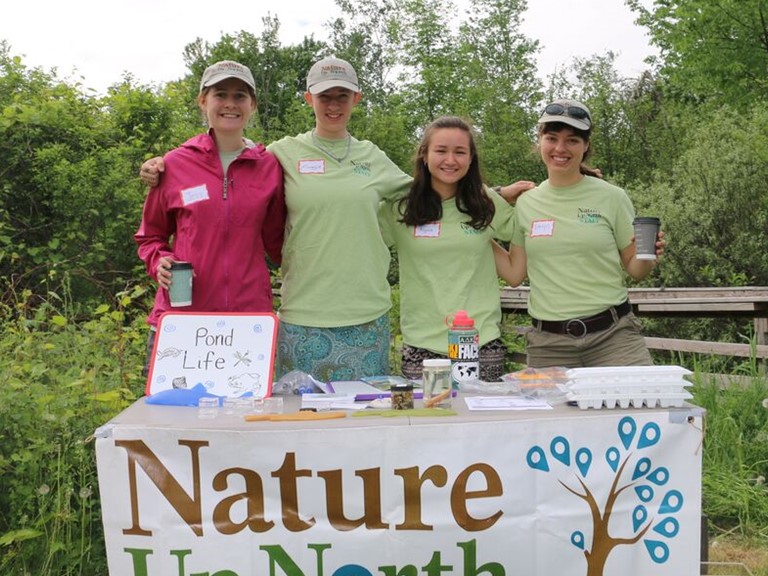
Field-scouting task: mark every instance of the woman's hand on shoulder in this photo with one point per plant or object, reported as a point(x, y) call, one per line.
point(511, 192)
point(150, 171)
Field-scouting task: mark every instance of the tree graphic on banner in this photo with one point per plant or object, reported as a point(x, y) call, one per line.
point(654, 515)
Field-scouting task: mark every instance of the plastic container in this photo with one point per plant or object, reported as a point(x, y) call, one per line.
point(628, 386)
point(463, 348)
point(437, 383)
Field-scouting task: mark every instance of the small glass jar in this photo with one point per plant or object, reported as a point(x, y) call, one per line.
point(437, 383)
point(402, 396)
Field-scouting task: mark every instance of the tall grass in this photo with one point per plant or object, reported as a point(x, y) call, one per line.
point(59, 380)
point(735, 458)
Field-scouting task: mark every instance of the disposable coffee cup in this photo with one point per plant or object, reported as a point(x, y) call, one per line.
point(180, 291)
point(646, 234)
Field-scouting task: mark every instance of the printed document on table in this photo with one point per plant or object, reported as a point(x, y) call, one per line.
point(505, 403)
point(330, 402)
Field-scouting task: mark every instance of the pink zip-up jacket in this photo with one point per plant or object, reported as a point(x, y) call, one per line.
point(223, 225)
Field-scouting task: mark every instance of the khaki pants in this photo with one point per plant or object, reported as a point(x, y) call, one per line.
point(620, 345)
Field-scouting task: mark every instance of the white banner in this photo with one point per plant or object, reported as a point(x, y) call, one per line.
point(605, 493)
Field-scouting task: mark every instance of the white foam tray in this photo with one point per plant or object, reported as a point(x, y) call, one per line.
point(635, 400)
point(635, 373)
point(624, 379)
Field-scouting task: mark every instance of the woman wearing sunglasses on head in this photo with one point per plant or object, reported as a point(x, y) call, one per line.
point(574, 241)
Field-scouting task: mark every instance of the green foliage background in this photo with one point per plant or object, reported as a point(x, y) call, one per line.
point(686, 138)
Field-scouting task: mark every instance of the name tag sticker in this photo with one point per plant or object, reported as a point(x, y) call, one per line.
point(311, 166)
point(431, 230)
point(192, 195)
point(542, 228)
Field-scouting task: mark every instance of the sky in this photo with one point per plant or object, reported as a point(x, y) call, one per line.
point(95, 42)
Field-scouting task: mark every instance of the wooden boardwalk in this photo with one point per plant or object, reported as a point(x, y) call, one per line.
point(742, 302)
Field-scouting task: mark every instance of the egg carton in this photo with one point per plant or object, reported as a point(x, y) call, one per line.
point(611, 401)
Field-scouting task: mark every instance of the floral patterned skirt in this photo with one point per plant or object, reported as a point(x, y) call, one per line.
point(343, 353)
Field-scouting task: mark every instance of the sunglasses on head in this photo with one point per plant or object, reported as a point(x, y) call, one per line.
point(571, 111)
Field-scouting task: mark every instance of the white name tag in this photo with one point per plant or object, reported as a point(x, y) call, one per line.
point(311, 166)
point(431, 230)
point(542, 228)
point(192, 195)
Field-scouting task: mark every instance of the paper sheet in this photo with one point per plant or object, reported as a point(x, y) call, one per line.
point(505, 403)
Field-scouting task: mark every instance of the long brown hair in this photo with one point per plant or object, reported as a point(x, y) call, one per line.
point(423, 205)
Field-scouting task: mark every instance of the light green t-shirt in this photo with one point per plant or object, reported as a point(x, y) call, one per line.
point(335, 262)
point(572, 237)
point(444, 267)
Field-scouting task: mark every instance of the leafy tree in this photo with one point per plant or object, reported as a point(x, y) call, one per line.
point(430, 77)
point(69, 198)
point(500, 90)
point(710, 50)
point(715, 202)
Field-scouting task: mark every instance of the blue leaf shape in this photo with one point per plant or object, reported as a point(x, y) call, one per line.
point(672, 502)
point(627, 429)
point(668, 527)
point(537, 459)
point(577, 539)
point(641, 468)
point(658, 551)
point(584, 460)
point(561, 450)
point(650, 435)
point(612, 457)
point(639, 516)
point(660, 476)
point(644, 492)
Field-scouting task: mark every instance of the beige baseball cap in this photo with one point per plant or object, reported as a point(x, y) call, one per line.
point(331, 73)
point(215, 73)
point(571, 112)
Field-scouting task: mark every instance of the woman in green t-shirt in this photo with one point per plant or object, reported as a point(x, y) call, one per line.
point(443, 232)
point(574, 240)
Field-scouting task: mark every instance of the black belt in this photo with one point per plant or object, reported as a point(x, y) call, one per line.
point(578, 327)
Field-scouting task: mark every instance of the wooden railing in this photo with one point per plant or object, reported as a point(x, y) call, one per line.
point(747, 302)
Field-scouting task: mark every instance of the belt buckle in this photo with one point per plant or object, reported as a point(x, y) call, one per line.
point(576, 328)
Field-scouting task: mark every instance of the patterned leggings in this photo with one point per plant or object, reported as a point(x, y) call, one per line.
point(492, 356)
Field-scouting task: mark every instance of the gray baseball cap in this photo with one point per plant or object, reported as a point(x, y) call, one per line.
point(215, 73)
point(571, 112)
point(331, 73)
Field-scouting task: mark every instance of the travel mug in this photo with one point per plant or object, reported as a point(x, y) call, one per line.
point(180, 291)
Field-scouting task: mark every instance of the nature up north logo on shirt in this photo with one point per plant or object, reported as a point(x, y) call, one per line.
point(468, 230)
point(361, 168)
point(589, 216)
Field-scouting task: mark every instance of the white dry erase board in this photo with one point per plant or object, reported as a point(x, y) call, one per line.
point(230, 353)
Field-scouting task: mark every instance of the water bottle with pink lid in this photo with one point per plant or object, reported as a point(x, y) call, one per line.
point(463, 348)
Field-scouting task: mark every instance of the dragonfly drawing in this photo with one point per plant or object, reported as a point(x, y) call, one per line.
point(242, 357)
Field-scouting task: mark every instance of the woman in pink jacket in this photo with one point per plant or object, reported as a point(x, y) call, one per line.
point(220, 206)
